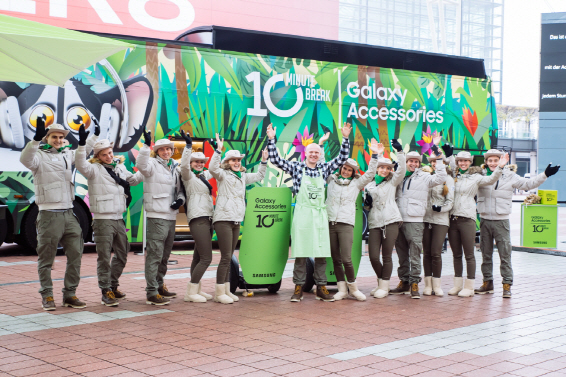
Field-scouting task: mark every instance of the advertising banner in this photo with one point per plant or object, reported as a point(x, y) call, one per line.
point(539, 224)
point(356, 246)
point(264, 249)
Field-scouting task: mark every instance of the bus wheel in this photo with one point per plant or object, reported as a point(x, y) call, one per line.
point(309, 282)
point(234, 274)
point(273, 288)
point(28, 232)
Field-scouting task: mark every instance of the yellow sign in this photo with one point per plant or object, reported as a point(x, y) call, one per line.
point(548, 196)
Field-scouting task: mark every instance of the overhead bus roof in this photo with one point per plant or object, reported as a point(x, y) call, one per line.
point(257, 42)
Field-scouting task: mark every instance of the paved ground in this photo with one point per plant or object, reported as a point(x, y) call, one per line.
point(266, 335)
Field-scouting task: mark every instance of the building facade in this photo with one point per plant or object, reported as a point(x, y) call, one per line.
point(472, 28)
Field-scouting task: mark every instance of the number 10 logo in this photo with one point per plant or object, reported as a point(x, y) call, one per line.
point(257, 110)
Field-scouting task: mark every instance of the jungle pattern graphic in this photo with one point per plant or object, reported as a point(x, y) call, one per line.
point(237, 95)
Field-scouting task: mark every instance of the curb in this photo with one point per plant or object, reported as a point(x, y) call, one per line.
point(539, 251)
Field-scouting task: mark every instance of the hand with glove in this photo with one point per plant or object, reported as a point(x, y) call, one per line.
point(96, 127)
point(436, 208)
point(40, 130)
point(177, 204)
point(212, 143)
point(396, 145)
point(448, 150)
point(368, 202)
point(395, 166)
point(147, 138)
point(551, 170)
point(83, 135)
point(188, 139)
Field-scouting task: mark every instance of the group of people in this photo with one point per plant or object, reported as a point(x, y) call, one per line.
point(412, 209)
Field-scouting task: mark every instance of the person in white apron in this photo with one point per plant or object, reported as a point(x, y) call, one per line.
point(309, 232)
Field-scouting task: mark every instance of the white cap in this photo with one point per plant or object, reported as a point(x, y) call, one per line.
point(232, 154)
point(414, 154)
point(464, 155)
point(101, 145)
point(198, 156)
point(55, 128)
point(163, 143)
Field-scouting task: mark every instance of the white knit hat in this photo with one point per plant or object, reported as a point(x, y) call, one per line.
point(414, 154)
point(198, 156)
point(163, 143)
point(233, 154)
point(464, 155)
point(55, 128)
point(101, 145)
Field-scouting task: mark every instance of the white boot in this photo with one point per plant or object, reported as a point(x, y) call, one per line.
point(230, 294)
point(436, 288)
point(382, 289)
point(376, 288)
point(200, 292)
point(427, 291)
point(342, 291)
point(191, 295)
point(354, 291)
point(220, 295)
point(468, 290)
point(458, 285)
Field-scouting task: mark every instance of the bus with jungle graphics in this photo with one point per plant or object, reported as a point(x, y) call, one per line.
point(235, 83)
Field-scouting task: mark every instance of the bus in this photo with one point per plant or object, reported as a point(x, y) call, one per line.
point(234, 83)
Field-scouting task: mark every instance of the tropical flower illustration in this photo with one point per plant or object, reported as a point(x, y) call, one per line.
point(427, 140)
point(301, 142)
point(470, 120)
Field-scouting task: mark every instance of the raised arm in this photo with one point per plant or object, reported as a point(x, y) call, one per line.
point(186, 172)
point(86, 141)
point(449, 198)
point(29, 157)
point(82, 165)
point(142, 162)
point(377, 150)
point(440, 176)
point(258, 177)
point(494, 177)
point(286, 166)
point(344, 153)
point(214, 167)
point(529, 183)
point(399, 174)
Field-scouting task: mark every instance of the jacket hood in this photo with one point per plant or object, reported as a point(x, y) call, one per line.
point(471, 170)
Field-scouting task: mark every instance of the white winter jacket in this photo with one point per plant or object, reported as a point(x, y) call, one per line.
point(384, 210)
point(199, 198)
point(343, 193)
point(231, 199)
point(466, 187)
point(495, 200)
point(161, 185)
point(412, 194)
point(107, 198)
point(52, 174)
point(436, 198)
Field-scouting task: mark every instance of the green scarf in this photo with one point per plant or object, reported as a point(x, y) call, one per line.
point(488, 171)
point(378, 179)
point(462, 171)
point(47, 146)
point(113, 164)
point(170, 162)
point(408, 173)
point(196, 172)
point(237, 173)
point(340, 177)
